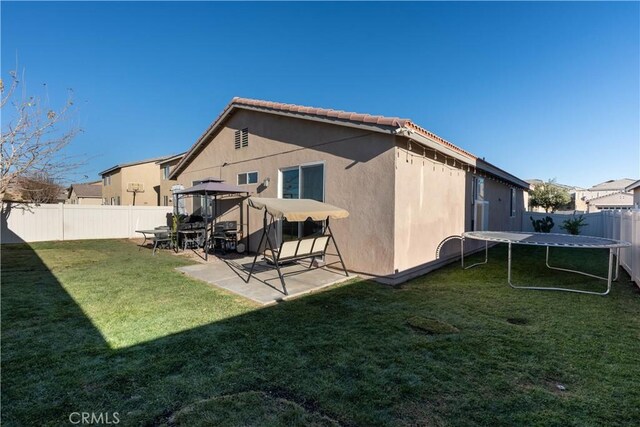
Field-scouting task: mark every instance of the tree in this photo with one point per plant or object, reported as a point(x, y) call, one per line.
point(549, 196)
point(33, 139)
point(40, 188)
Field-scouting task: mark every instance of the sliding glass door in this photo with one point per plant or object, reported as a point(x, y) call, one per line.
point(301, 182)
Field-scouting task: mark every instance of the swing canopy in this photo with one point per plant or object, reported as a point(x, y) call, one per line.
point(297, 210)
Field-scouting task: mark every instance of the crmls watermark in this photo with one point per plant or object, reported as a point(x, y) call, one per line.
point(94, 418)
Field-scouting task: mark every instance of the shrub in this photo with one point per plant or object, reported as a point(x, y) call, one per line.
point(542, 225)
point(573, 225)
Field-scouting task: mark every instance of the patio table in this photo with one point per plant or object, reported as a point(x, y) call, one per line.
point(154, 235)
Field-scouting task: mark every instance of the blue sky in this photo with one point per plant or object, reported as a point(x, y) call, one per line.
point(542, 90)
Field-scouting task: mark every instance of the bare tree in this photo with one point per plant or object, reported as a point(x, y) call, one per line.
point(33, 138)
point(40, 188)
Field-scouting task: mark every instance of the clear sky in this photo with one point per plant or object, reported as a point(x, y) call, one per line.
point(542, 90)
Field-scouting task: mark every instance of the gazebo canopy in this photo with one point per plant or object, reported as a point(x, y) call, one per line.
point(212, 187)
point(298, 209)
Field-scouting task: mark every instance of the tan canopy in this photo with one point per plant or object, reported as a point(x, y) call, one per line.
point(297, 209)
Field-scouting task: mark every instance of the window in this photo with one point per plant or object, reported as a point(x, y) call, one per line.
point(106, 180)
point(113, 201)
point(477, 189)
point(165, 200)
point(165, 172)
point(118, 200)
point(301, 182)
point(241, 138)
point(512, 202)
point(247, 178)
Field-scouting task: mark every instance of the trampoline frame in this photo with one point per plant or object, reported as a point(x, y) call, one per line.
point(614, 246)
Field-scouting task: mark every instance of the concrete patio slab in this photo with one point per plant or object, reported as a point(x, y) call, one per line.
point(264, 287)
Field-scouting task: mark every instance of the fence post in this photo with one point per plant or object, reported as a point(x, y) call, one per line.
point(61, 210)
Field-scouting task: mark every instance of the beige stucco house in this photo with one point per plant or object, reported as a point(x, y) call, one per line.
point(407, 190)
point(166, 166)
point(89, 193)
point(135, 183)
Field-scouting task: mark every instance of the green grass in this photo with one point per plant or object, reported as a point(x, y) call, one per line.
point(97, 326)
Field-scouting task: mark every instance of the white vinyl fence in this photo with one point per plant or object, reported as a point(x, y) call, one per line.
point(77, 222)
point(619, 225)
point(625, 225)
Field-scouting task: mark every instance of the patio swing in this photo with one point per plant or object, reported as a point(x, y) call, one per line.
point(309, 247)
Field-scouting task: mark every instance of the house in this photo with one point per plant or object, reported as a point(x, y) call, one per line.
point(408, 190)
point(635, 190)
point(619, 200)
point(166, 166)
point(89, 193)
point(135, 183)
point(611, 186)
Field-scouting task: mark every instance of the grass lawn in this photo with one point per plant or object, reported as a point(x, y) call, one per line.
point(96, 326)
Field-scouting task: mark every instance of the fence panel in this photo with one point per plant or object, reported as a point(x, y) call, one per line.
point(77, 222)
point(593, 220)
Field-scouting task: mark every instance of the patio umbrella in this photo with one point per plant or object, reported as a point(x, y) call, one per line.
point(212, 187)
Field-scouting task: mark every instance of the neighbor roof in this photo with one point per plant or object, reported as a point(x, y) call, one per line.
point(87, 190)
point(612, 184)
point(139, 162)
point(378, 123)
point(171, 158)
point(633, 186)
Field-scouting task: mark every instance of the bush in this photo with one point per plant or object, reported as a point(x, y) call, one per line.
point(573, 225)
point(543, 225)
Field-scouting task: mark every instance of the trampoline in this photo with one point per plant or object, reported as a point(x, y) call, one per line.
point(550, 240)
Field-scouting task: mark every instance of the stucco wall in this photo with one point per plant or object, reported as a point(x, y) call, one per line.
point(359, 176)
point(166, 184)
point(433, 202)
point(636, 197)
point(145, 173)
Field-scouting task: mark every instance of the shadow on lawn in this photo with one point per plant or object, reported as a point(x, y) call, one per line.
point(344, 356)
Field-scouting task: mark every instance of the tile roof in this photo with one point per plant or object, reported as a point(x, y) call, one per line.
point(391, 125)
point(395, 122)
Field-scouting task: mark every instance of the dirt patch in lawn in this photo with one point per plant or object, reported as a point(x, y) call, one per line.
point(431, 326)
point(248, 408)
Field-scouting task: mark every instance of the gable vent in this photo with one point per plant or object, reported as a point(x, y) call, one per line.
point(237, 139)
point(241, 138)
point(245, 137)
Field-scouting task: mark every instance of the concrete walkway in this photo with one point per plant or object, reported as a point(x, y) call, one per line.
point(264, 286)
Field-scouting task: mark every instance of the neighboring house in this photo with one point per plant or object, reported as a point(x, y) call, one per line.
point(612, 186)
point(89, 193)
point(166, 167)
point(635, 190)
point(407, 190)
point(618, 200)
point(135, 183)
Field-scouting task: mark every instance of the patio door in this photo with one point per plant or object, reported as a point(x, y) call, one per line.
point(301, 182)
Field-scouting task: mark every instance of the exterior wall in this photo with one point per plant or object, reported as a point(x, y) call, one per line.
point(433, 202)
point(145, 173)
point(636, 197)
point(359, 177)
point(166, 184)
point(114, 189)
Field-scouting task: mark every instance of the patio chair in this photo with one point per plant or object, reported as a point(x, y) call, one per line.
point(162, 239)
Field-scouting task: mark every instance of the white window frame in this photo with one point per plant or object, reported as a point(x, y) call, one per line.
point(166, 171)
point(512, 202)
point(247, 178)
point(299, 167)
